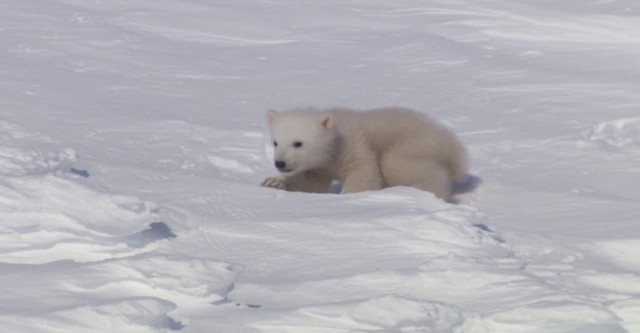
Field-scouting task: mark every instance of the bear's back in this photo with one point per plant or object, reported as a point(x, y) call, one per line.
point(385, 128)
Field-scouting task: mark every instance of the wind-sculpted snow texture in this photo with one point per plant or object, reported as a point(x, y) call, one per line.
point(133, 139)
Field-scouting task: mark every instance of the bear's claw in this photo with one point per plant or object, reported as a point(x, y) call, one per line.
point(275, 182)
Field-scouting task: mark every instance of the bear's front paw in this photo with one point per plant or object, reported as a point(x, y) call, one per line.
point(275, 182)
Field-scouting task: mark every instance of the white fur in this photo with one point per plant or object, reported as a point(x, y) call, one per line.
point(365, 150)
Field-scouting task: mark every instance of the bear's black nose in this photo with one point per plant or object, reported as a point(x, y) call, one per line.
point(280, 165)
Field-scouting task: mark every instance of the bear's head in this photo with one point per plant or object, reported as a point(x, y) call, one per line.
point(302, 140)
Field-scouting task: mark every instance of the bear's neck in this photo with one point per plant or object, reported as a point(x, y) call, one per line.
point(341, 154)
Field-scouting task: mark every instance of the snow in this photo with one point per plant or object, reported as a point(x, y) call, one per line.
point(133, 138)
point(617, 133)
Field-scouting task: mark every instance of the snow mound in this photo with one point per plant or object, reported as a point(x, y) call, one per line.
point(618, 133)
point(64, 235)
point(124, 315)
point(382, 314)
point(16, 162)
point(547, 316)
point(396, 260)
point(48, 216)
point(21, 161)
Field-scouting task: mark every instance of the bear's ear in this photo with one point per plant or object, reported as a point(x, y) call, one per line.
point(327, 121)
point(271, 115)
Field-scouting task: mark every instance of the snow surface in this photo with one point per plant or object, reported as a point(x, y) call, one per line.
point(133, 137)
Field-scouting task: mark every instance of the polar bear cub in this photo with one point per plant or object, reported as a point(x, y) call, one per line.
point(365, 150)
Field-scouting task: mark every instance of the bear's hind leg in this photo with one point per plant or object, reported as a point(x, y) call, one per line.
point(435, 178)
point(422, 172)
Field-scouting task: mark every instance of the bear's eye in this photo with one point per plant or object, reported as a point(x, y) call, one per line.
point(275, 143)
point(297, 144)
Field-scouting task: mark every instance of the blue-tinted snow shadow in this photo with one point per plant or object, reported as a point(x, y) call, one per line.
point(167, 322)
point(489, 231)
point(336, 187)
point(156, 231)
point(79, 172)
point(469, 185)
